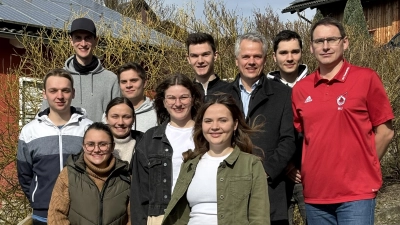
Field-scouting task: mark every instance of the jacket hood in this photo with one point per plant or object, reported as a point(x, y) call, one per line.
point(77, 114)
point(276, 75)
point(69, 65)
point(146, 106)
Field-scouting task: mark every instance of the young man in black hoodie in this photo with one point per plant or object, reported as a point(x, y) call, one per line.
point(95, 86)
point(201, 56)
point(287, 56)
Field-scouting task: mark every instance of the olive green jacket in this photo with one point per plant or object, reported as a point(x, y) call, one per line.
point(241, 189)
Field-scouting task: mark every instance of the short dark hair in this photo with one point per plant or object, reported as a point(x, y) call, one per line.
point(120, 100)
point(326, 22)
point(58, 73)
point(177, 79)
point(200, 38)
point(99, 126)
point(132, 66)
point(286, 35)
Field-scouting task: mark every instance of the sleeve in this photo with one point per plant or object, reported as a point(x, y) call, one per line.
point(259, 209)
point(296, 117)
point(378, 104)
point(277, 162)
point(60, 201)
point(139, 198)
point(24, 166)
point(115, 92)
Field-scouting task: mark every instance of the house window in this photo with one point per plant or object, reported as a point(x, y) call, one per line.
point(30, 98)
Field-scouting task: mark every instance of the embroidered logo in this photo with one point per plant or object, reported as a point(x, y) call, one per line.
point(341, 100)
point(308, 99)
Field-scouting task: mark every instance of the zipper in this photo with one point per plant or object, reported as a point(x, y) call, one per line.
point(34, 190)
point(60, 147)
point(101, 202)
point(101, 194)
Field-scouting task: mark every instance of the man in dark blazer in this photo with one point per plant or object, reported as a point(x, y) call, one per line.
point(268, 103)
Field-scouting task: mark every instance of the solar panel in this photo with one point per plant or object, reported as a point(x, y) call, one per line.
point(58, 13)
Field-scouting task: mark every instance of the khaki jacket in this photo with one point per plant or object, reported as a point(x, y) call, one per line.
point(241, 189)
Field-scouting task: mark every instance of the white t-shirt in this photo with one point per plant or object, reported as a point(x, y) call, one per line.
point(181, 140)
point(202, 191)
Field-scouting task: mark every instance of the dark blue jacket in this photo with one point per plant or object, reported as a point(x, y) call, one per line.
point(43, 149)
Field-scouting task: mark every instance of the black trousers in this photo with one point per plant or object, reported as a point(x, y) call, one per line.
point(37, 222)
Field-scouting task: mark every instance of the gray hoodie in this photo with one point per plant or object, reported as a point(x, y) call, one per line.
point(146, 116)
point(93, 91)
point(276, 75)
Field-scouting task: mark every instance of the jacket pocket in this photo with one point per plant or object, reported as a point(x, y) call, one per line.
point(155, 170)
point(35, 189)
point(240, 186)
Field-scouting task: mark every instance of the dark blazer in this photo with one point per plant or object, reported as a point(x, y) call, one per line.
point(271, 105)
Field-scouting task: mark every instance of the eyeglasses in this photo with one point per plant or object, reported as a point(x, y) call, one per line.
point(330, 40)
point(184, 99)
point(103, 146)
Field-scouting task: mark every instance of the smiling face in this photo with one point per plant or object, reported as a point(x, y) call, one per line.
point(178, 101)
point(218, 126)
point(131, 85)
point(288, 56)
point(120, 119)
point(250, 60)
point(328, 55)
point(59, 94)
point(83, 43)
point(201, 57)
point(97, 156)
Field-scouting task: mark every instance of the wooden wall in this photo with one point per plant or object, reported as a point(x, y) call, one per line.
point(383, 17)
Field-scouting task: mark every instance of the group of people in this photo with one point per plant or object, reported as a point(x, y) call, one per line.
point(206, 151)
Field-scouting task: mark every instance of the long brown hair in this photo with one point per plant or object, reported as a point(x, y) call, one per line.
point(240, 137)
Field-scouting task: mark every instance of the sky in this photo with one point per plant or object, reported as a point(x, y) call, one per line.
point(247, 6)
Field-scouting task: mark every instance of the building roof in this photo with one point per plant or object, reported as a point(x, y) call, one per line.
point(17, 16)
point(300, 5)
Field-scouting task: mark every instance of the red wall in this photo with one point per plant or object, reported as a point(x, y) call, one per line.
point(9, 109)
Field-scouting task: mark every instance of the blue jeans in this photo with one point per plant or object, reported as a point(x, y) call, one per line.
point(348, 213)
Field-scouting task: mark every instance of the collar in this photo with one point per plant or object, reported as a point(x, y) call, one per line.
point(341, 76)
point(241, 86)
point(230, 160)
point(79, 162)
point(210, 82)
point(160, 130)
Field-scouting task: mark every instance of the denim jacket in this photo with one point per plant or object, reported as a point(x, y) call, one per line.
point(242, 192)
point(151, 175)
